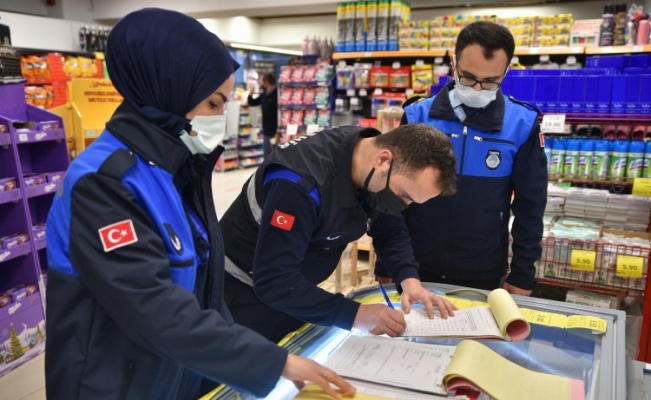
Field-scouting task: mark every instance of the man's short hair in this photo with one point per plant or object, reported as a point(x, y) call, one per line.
point(490, 36)
point(419, 146)
point(269, 78)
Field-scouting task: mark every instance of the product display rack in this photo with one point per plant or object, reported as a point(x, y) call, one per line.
point(33, 152)
point(249, 142)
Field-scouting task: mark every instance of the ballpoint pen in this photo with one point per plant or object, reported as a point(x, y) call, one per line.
point(386, 296)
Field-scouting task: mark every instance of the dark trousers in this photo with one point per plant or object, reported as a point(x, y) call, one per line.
point(249, 311)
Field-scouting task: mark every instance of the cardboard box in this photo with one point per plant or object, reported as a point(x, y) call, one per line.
point(592, 299)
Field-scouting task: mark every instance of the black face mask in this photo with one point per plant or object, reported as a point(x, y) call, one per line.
point(384, 201)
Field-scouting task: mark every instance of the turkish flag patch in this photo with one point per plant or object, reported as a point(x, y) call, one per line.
point(542, 139)
point(282, 220)
point(117, 235)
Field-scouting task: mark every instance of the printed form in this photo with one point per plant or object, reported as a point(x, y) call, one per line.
point(392, 362)
point(471, 322)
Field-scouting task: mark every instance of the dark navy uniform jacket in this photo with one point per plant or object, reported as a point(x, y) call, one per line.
point(499, 153)
point(135, 281)
point(286, 231)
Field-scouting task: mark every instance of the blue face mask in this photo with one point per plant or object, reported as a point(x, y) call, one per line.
point(384, 201)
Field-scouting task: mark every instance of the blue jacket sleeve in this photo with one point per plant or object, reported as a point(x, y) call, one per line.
point(529, 180)
point(392, 244)
point(133, 285)
point(279, 254)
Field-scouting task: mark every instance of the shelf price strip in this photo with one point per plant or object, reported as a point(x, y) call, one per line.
point(629, 266)
point(583, 260)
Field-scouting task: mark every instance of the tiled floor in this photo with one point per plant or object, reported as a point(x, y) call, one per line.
point(27, 382)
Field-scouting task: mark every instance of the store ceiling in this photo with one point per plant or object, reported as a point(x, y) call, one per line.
point(109, 11)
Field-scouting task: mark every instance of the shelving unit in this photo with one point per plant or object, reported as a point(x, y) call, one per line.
point(249, 141)
point(32, 152)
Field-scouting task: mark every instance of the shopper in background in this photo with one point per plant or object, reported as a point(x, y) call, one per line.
point(135, 304)
point(464, 239)
point(285, 233)
point(268, 102)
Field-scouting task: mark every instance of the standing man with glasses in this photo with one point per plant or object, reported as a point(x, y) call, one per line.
point(464, 239)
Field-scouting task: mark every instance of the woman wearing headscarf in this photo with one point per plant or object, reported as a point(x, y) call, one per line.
point(135, 256)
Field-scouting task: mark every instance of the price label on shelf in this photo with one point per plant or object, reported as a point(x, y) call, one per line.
point(629, 266)
point(582, 260)
point(420, 63)
point(23, 137)
point(553, 123)
point(312, 129)
point(292, 129)
point(642, 187)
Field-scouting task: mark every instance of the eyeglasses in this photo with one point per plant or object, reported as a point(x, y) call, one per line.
point(472, 82)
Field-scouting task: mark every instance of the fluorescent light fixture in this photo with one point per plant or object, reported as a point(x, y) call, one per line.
point(267, 49)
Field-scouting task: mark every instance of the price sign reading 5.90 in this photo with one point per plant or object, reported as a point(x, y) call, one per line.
point(629, 266)
point(582, 260)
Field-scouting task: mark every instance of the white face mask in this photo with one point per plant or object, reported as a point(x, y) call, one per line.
point(474, 98)
point(210, 132)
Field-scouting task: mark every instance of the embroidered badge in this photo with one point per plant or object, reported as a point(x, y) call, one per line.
point(282, 220)
point(174, 238)
point(493, 159)
point(117, 235)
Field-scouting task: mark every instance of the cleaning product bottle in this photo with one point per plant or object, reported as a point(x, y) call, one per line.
point(635, 159)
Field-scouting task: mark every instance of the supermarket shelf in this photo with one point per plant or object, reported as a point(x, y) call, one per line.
point(521, 51)
point(618, 49)
point(552, 50)
point(590, 287)
point(614, 118)
point(591, 182)
point(389, 54)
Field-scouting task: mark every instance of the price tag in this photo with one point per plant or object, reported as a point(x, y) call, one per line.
point(292, 129)
point(350, 92)
point(420, 63)
point(642, 187)
point(534, 50)
point(606, 49)
point(553, 123)
point(341, 64)
point(630, 266)
point(368, 54)
point(377, 91)
point(22, 137)
point(638, 49)
point(362, 92)
point(577, 50)
point(312, 129)
point(395, 65)
point(582, 260)
point(409, 92)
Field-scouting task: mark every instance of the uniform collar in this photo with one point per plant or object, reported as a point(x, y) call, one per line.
point(483, 119)
point(344, 176)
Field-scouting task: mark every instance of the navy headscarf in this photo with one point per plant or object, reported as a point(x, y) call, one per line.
point(164, 63)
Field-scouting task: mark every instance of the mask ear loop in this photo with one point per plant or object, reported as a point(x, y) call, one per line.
point(389, 174)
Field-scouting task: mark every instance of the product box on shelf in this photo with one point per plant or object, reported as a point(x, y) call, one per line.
point(22, 336)
point(54, 176)
point(7, 184)
point(591, 299)
point(5, 300)
point(34, 179)
point(38, 231)
point(9, 241)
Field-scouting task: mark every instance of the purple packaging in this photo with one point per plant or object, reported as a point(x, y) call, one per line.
point(7, 242)
point(48, 125)
point(539, 94)
point(17, 293)
point(552, 87)
point(38, 231)
point(7, 184)
point(34, 179)
point(54, 176)
point(5, 300)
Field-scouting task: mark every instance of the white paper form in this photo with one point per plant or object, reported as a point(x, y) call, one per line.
point(471, 322)
point(409, 365)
